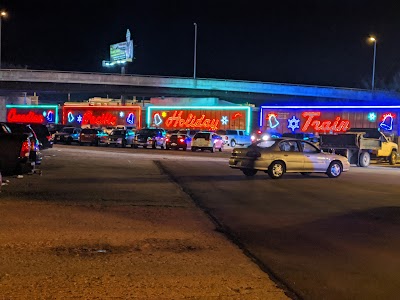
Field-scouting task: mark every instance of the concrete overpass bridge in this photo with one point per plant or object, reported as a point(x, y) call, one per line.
point(45, 81)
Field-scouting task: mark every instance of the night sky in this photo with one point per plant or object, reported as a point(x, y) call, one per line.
point(320, 42)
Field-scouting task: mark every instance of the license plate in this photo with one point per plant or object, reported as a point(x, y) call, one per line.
point(173, 144)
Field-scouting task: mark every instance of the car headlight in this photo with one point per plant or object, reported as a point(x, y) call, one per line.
point(265, 137)
point(253, 137)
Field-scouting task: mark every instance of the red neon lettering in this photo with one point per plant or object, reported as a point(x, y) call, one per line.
point(237, 115)
point(30, 117)
point(103, 119)
point(325, 125)
point(191, 121)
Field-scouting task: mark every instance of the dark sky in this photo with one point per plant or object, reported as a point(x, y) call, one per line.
point(321, 42)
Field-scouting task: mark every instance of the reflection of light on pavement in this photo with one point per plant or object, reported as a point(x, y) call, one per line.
point(144, 156)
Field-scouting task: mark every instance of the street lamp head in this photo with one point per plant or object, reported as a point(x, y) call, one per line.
point(372, 39)
point(3, 13)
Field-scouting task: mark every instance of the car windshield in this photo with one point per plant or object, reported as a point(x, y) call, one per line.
point(231, 132)
point(118, 132)
point(68, 130)
point(147, 132)
point(265, 144)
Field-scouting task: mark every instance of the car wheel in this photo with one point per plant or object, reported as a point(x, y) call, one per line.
point(220, 149)
point(184, 148)
point(212, 149)
point(276, 170)
point(153, 145)
point(392, 158)
point(334, 170)
point(163, 146)
point(135, 146)
point(364, 159)
point(144, 146)
point(249, 172)
point(123, 144)
point(69, 141)
point(193, 149)
point(80, 144)
point(233, 143)
point(167, 147)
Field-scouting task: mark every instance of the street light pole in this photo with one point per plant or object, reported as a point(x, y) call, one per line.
point(195, 50)
point(372, 39)
point(2, 14)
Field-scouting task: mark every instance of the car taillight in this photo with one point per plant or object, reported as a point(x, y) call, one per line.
point(181, 140)
point(167, 139)
point(48, 138)
point(25, 149)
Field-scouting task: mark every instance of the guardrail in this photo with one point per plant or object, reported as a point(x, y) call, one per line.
point(205, 84)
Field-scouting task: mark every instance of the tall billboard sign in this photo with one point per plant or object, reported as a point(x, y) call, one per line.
point(101, 116)
point(199, 117)
point(122, 52)
point(41, 114)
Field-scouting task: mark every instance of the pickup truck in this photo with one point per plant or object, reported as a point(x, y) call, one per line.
point(233, 137)
point(14, 154)
point(359, 145)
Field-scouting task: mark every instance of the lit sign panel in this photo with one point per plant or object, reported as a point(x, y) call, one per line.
point(42, 114)
point(78, 115)
point(122, 52)
point(318, 125)
point(199, 117)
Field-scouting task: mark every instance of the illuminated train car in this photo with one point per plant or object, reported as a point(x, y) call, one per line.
point(328, 119)
point(41, 114)
point(102, 115)
point(199, 117)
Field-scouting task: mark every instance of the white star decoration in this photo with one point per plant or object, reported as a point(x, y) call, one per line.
point(293, 123)
point(372, 116)
point(224, 120)
point(121, 114)
point(79, 118)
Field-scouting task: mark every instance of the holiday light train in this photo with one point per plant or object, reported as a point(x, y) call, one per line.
point(328, 119)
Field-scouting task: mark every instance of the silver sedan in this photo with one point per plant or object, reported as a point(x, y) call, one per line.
point(282, 155)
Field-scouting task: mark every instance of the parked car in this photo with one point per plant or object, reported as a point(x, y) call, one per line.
point(93, 136)
point(15, 151)
point(283, 155)
point(43, 134)
point(233, 137)
point(205, 140)
point(41, 131)
point(154, 137)
point(34, 155)
point(68, 135)
point(121, 137)
point(54, 128)
point(178, 141)
point(169, 132)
